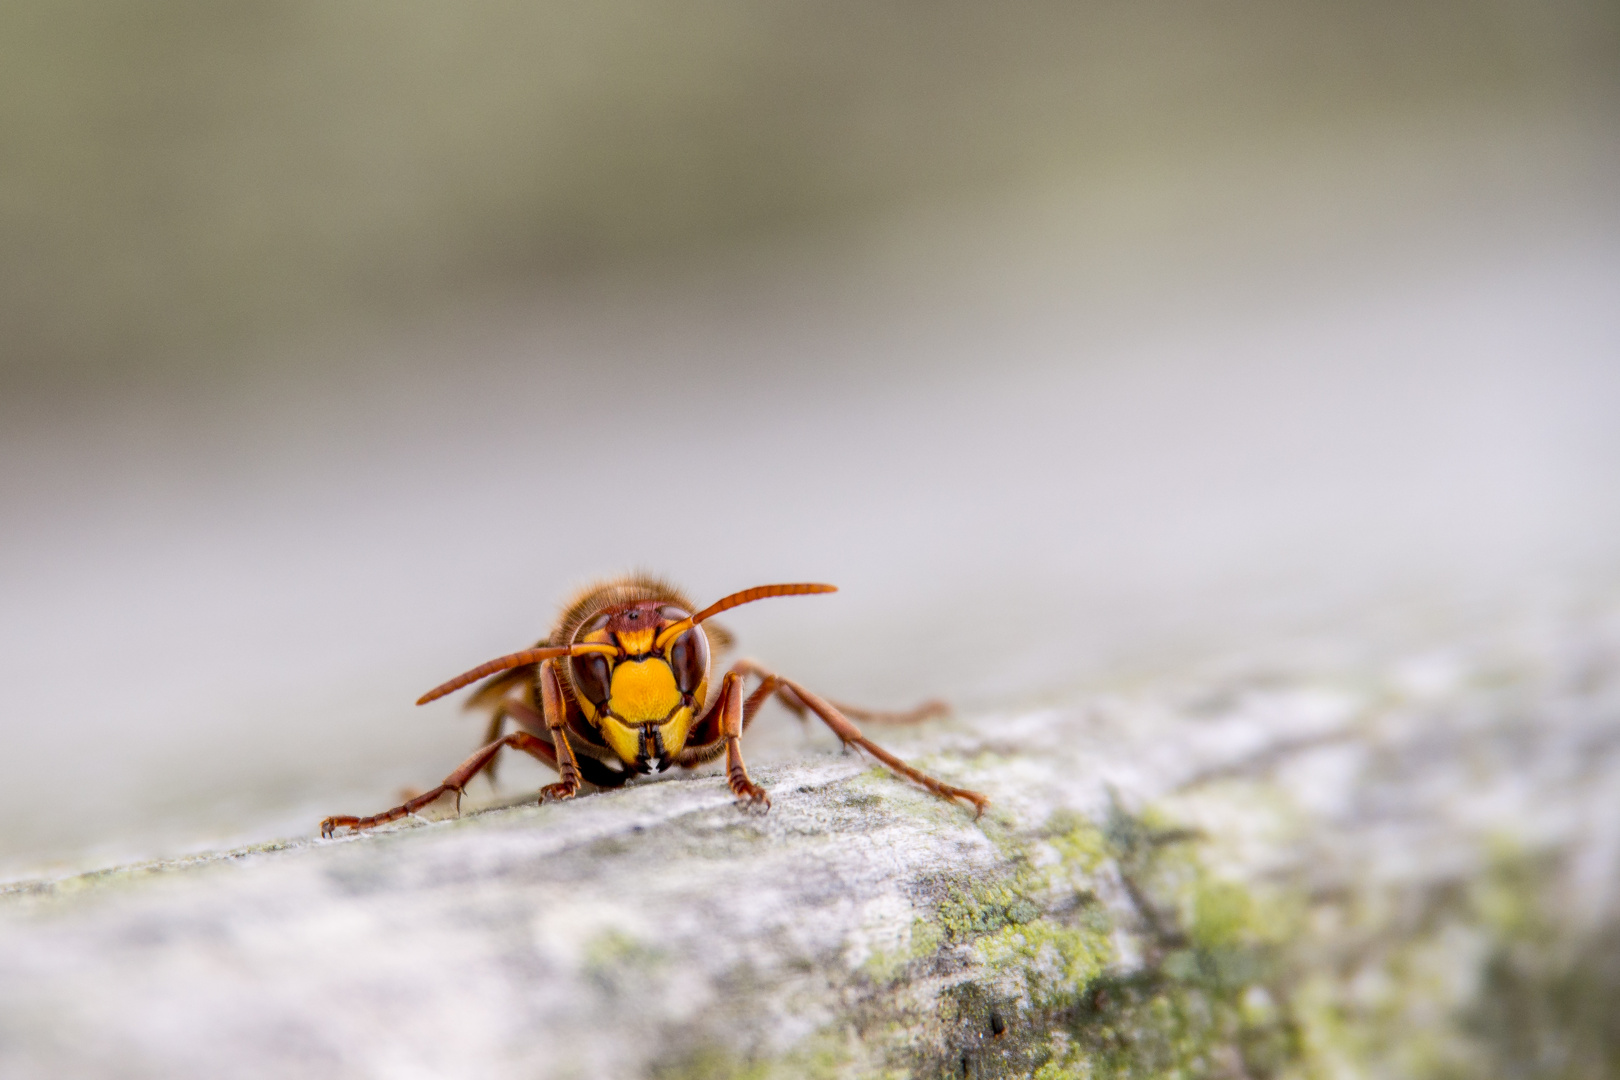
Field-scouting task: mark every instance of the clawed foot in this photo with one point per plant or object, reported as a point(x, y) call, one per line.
point(558, 792)
point(750, 796)
point(980, 802)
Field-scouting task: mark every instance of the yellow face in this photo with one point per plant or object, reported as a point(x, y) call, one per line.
point(644, 699)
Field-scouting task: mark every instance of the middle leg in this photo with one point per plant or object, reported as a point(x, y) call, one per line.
point(456, 782)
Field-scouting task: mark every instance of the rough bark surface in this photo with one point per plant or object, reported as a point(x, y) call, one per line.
point(1390, 854)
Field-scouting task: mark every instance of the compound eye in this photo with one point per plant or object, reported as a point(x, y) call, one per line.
point(689, 659)
point(598, 623)
point(673, 614)
point(592, 677)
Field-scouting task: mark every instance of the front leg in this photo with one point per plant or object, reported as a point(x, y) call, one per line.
point(556, 713)
point(591, 770)
point(731, 724)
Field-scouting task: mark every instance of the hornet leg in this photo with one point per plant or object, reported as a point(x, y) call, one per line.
point(557, 754)
point(456, 781)
point(724, 721)
point(734, 720)
point(521, 712)
point(928, 710)
point(556, 713)
point(592, 770)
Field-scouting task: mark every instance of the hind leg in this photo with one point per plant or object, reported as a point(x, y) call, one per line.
point(729, 716)
point(851, 736)
point(928, 710)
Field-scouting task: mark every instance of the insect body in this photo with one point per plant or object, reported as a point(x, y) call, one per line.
point(620, 688)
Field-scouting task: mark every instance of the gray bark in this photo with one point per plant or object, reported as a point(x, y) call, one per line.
point(1378, 853)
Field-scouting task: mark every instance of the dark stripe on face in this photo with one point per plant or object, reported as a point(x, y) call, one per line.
point(652, 749)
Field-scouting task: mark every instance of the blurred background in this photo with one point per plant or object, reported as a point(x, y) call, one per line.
point(339, 341)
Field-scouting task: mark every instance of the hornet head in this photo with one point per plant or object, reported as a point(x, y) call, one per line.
point(644, 695)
